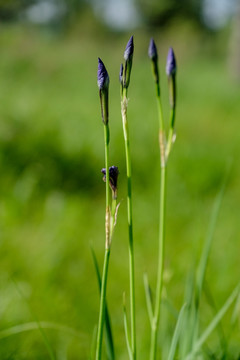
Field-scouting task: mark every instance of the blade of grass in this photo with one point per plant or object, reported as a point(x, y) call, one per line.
point(177, 333)
point(201, 271)
point(93, 343)
point(214, 322)
point(209, 238)
point(109, 336)
point(187, 334)
point(211, 302)
point(18, 329)
point(148, 294)
point(44, 336)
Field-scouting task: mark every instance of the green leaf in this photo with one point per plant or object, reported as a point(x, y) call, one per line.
point(148, 297)
point(18, 329)
point(109, 336)
point(177, 332)
point(214, 323)
point(209, 237)
point(42, 332)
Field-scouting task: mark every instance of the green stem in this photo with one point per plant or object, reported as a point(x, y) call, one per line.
point(107, 251)
point(170, 134)
point(156, 317)
point(130, 226)
point(102, 304)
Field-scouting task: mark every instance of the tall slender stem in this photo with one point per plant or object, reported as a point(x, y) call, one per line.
point(156, 317)
point(130, 225)
point(170, 134)
point(107, 251)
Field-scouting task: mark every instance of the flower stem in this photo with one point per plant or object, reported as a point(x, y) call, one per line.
point(170, 134)
point(107, 251)
point(130, 226)
point(102, 304)
point(156, 316)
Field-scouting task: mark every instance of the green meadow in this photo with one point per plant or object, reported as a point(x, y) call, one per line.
point(52, 197)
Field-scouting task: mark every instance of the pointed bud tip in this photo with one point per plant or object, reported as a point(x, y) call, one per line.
point(171, 65)
point(129, 49)
point(102, 75)
point(152, 50)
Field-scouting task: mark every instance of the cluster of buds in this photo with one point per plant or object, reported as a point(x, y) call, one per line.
point(171, 68)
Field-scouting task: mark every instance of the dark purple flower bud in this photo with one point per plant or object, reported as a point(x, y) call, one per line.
point(129, 49)
point(152, 50)
point(113, 177)
point(171, 68)
point(128, 56)
point(171, 65)
point(103, 84)
point(121, 74)
point(102, 76)
point(152, 53)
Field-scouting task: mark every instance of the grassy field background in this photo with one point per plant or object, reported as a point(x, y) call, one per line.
point(52, 196)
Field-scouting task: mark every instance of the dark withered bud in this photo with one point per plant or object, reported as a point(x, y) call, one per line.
point(103, 85)
point(152, 53)
point(171, 69)
point(113, 177)
point(128, 56)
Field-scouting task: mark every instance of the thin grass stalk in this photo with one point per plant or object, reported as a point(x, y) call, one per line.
point(130, 222)
point(40, 328)
point(107, 251)
point(161, 246)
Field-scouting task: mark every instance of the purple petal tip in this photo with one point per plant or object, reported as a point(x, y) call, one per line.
point(171, 65)
point(129, 49)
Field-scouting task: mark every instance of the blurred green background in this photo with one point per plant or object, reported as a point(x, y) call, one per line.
point(52, 199)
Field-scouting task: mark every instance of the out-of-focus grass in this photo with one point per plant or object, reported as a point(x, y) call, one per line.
point(52, 195)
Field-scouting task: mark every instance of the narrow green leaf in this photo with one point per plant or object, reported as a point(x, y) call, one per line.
point(148, 295)
point(42, 332)
point(188, 318)
point(18, 329)
point(177, 332)
point(209, 238)
point(109, 336)
point(222, 338)
point(93, 343)
point(214, 323)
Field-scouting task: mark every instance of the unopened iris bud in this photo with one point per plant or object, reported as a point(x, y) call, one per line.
point(103, 85)
point(171, 69)
point(128, 56)
point(171, 66)
point(113, 178)
point(152, 50)
point(152, 53)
